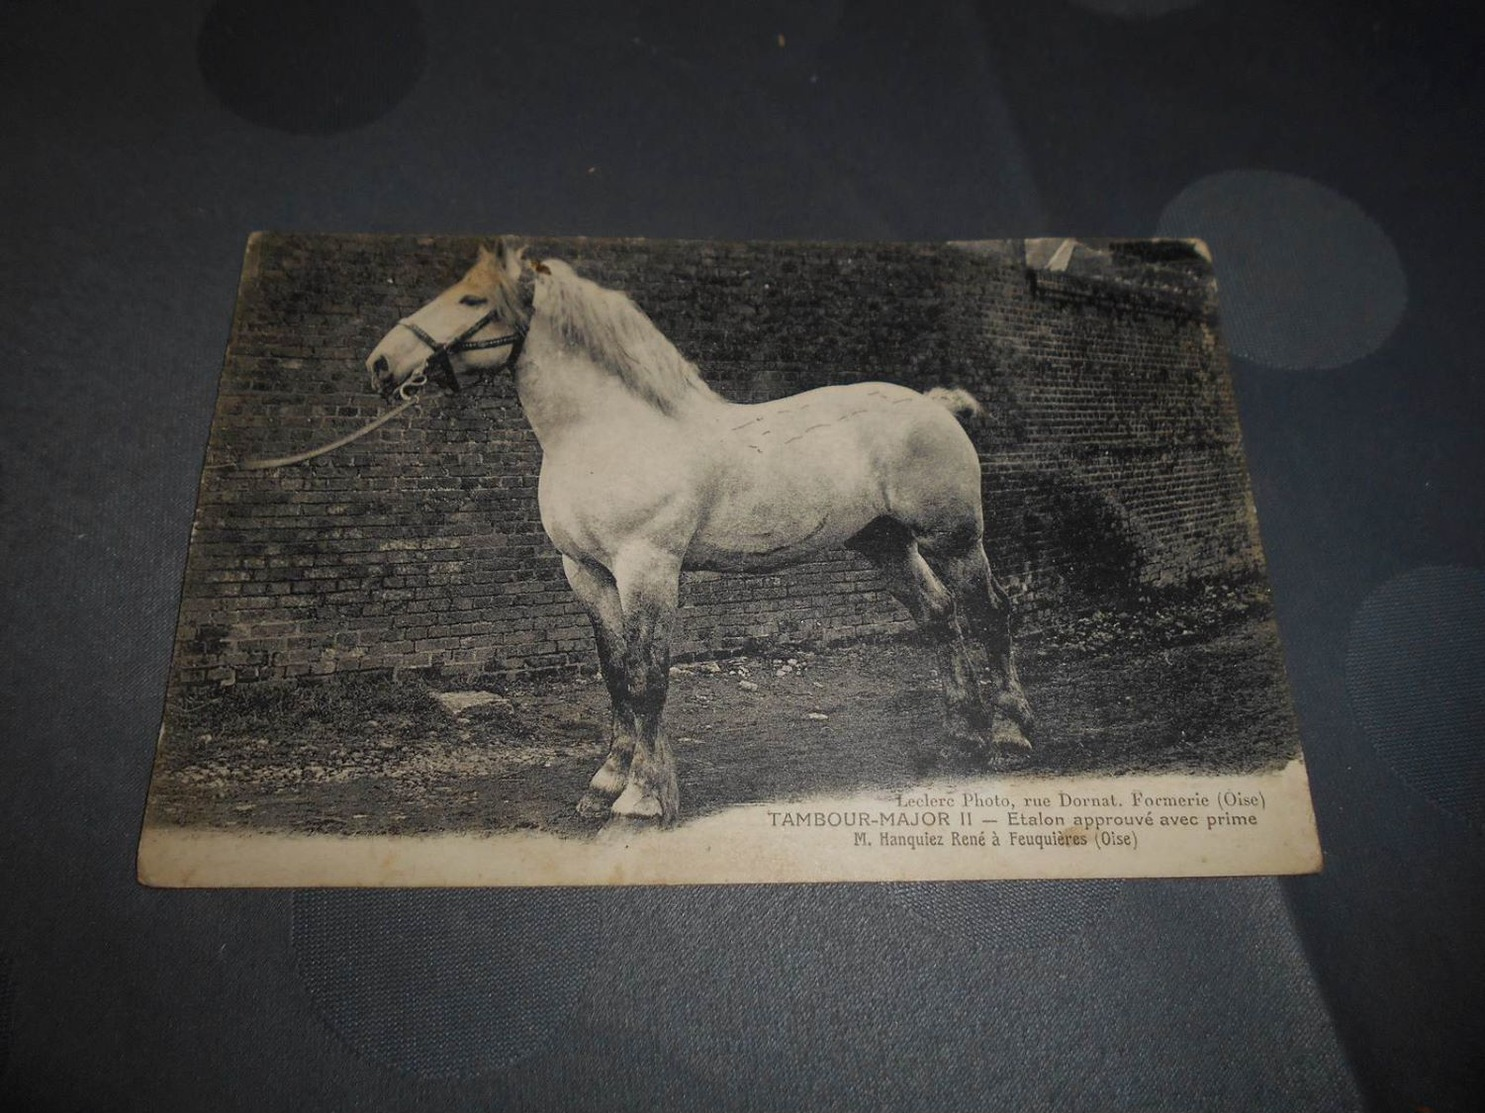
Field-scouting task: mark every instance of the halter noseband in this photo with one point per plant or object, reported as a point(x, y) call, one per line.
point(438, 368)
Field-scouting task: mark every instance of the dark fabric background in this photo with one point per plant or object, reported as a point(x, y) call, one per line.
point(1329, 152)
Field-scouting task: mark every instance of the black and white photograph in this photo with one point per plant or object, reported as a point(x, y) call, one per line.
point(521, 560)
point(796, 555)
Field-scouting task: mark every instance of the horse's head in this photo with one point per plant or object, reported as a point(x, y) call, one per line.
point(476, 325)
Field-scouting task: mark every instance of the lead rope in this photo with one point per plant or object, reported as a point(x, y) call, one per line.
point(411, 394)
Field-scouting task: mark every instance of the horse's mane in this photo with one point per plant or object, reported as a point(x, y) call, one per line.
point(618, 336)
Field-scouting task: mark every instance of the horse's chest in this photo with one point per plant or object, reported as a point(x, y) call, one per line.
point(590, 508)
point(565, 514)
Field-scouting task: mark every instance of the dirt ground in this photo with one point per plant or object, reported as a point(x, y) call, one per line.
point(1179, 687)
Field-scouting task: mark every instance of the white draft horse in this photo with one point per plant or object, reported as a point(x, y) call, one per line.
point(646, 472)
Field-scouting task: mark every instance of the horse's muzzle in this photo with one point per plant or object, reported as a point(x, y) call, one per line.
point(381, 377)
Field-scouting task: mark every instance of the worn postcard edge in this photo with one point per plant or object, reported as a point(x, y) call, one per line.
point(755, 843)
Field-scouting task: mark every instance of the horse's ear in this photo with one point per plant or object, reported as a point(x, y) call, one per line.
point(506, 258)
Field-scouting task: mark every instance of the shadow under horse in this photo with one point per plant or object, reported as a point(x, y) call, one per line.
point(647, 472)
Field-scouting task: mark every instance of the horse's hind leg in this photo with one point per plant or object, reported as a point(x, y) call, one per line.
point(600, 597)
point(892, 548)
point(988, 608)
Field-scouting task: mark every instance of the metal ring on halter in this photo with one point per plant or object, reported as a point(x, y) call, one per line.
point(414, 382)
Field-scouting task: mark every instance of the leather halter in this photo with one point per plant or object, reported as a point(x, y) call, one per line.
point(440, 369)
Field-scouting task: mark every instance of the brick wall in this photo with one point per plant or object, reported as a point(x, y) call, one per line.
point(1111, 453)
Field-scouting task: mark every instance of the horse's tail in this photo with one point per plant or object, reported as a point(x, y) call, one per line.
point(959, 402)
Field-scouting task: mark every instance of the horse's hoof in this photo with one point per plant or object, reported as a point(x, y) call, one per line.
point(608, 782)
point(966, 738)
point(969, 728)
point(1015, 706)
point(635, 803)
point(1007, 739)
point(593, 806)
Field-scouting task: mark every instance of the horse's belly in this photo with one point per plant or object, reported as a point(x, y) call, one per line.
point(708, 557)
point(774, 525)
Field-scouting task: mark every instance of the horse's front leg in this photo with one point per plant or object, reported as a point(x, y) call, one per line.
point(648, 581)
point(595, 587)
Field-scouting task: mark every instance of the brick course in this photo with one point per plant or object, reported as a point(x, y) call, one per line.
point(1111, 451)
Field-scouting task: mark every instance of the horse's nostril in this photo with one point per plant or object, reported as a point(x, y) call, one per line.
point(379, 368)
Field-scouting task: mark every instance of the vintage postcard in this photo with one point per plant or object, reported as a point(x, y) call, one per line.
point(570, 561)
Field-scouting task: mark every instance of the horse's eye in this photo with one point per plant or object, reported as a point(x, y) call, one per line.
point(473, 299)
